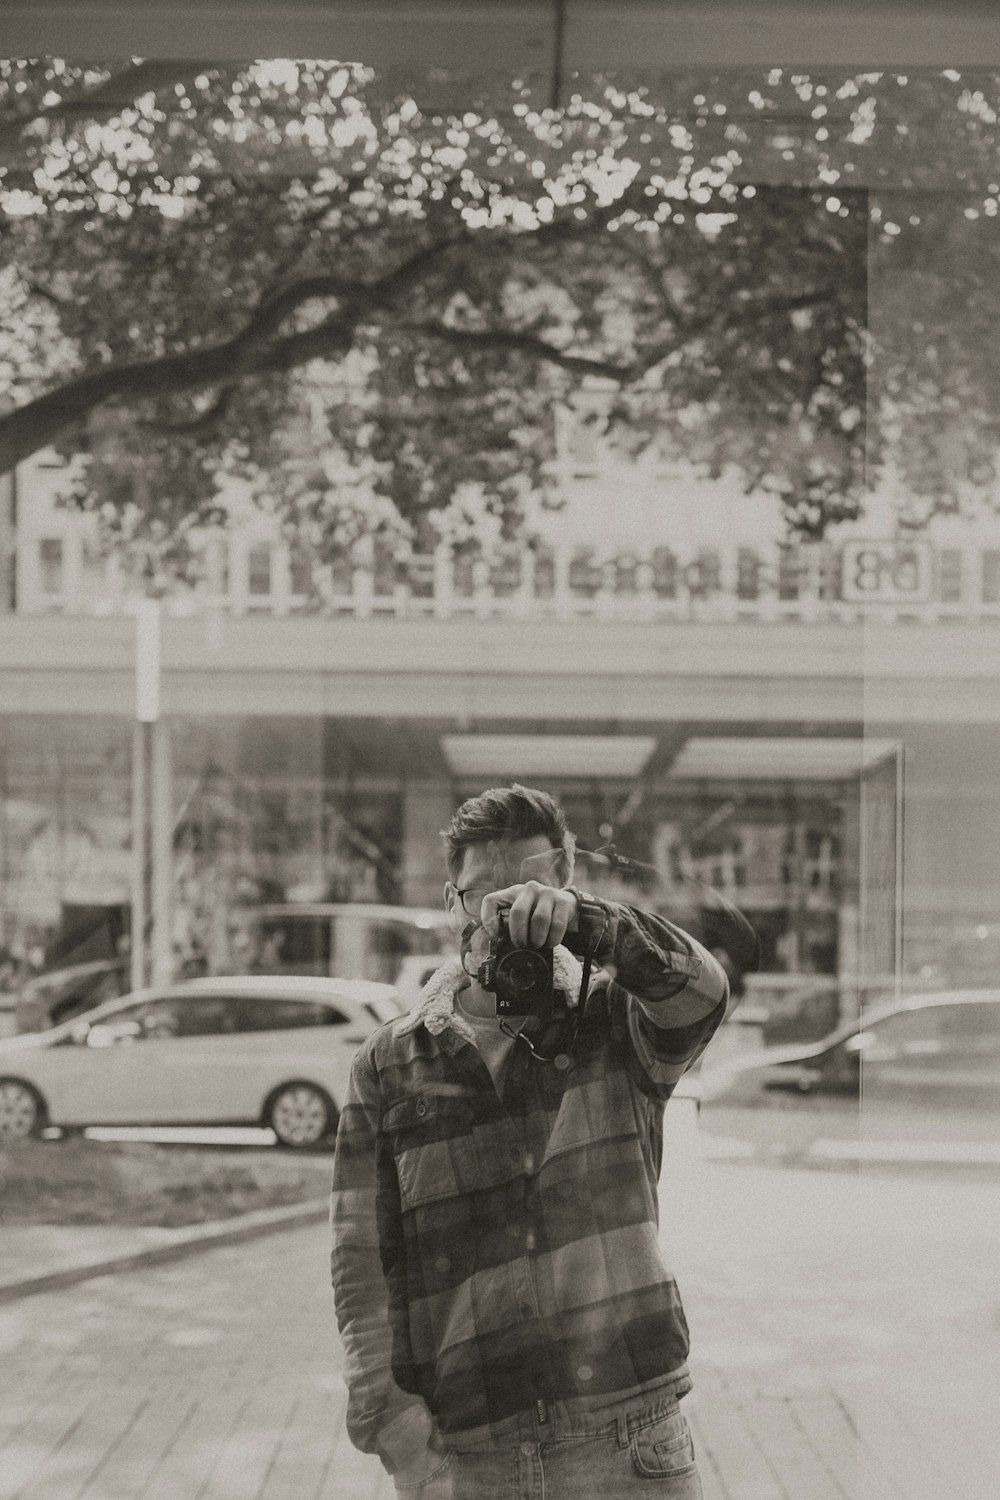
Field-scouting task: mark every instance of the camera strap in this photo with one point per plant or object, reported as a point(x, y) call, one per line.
point(581, 999)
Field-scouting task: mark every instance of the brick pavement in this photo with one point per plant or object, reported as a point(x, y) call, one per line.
point(43, 1257)
point(845, 1348)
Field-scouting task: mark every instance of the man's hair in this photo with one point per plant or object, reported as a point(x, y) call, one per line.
point(503, 814)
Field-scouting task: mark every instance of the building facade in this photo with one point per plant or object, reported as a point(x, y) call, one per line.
point(708, 712)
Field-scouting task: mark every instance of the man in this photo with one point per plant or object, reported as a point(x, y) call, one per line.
point(509, 1327)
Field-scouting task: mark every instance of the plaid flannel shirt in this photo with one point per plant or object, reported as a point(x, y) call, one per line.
point(496, 1264)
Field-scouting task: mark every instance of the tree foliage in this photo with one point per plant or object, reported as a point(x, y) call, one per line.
point(299, 271)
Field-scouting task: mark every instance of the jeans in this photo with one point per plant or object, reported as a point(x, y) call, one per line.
point(646, 1453)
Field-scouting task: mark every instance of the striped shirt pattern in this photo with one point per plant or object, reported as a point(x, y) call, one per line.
point(496, 1263)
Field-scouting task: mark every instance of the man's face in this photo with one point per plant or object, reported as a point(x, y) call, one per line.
point(493, 867)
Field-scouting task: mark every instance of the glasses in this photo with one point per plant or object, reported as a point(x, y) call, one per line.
point(475, 895)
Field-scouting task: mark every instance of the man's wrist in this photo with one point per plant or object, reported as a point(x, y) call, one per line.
point(405, 1441)
point(591, 920)
point(419, 1467)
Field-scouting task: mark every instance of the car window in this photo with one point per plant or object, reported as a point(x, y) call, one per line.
point(264, 1014)
point(181, 1016)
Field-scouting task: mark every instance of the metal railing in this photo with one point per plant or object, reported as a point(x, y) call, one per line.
point(860, 579)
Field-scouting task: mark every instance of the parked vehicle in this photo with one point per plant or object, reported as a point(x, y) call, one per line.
point(232, 1051)
point(61, 994)
point(939, 1048)
point(254, 1050)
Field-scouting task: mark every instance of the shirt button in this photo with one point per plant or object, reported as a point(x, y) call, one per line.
point(527, 1449)
point(562, 1061)
point(421, 1108)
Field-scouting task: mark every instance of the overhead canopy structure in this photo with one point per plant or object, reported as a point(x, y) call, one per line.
point(777, 757)
point(588, 755)
point(550, 37)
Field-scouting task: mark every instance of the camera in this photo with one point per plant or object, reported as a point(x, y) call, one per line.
point(522, 978)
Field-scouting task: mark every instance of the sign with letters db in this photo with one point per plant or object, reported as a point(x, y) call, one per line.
point(886, 572)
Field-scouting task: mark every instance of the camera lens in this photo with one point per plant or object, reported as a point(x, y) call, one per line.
point(525, 972)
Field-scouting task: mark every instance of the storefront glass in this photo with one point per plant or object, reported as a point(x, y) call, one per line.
point(742, 623)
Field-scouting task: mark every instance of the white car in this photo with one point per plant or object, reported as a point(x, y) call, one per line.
point(261, 1050)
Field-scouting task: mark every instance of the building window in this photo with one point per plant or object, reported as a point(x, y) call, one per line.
point(301, 572)
point(259, 571)
point(215, 565)
point(95, 570)
point(50, 565)
point(950, 575)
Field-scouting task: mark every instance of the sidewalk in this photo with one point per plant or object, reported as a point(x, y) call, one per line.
point(845, 1347)
point(845, 1332)
point(46, 1257)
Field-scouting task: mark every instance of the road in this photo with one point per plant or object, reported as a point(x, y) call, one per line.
point(821, 1129)
point(846, 1347)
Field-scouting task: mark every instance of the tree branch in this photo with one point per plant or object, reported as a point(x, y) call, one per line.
point(512, 341)
point(357, 296)
point(204, 421)
point(48, 295)
point(255, 349)
point(304, 229)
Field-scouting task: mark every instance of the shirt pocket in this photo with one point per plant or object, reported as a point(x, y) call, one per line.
point(433, 1145)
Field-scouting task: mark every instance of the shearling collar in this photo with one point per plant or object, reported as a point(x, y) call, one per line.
point(436, 1010)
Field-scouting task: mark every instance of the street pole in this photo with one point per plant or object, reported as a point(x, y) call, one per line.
point(140, 857)
point(151, 821)
point(162, 854)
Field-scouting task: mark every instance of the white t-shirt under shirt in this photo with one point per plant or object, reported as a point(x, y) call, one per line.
point(494, 1045)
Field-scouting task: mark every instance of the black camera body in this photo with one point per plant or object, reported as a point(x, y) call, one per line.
point(522, 978)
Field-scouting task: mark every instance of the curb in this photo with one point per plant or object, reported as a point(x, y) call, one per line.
point(233, 1231)
point(850, 1154)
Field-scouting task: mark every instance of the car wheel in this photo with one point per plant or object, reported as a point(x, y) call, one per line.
point(301, 1115)
point(22, 1110)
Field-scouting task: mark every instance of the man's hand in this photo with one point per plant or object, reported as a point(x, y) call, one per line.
point(538, 916)
point(430, 1476)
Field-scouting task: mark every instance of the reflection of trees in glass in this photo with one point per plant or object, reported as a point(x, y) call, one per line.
point(185, 245)
point(214, 874)
point(64, 822)
point(244, 841)
point(362, 847)
point(251, 267)
point(755, 875)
